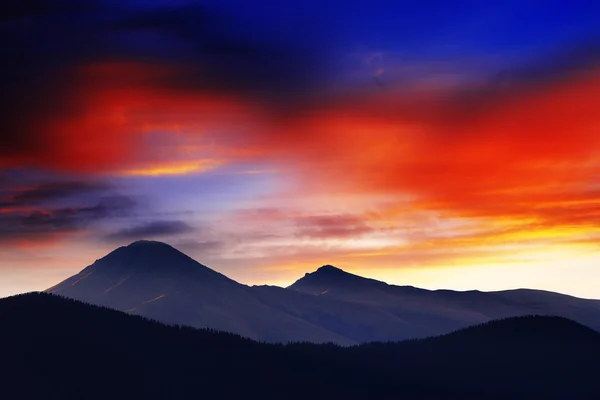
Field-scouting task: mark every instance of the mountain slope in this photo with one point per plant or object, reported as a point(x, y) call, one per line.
point(445, 309)
point(65, 349)
point(155, 280)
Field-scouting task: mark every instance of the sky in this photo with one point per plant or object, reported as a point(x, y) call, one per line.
point(435, 144)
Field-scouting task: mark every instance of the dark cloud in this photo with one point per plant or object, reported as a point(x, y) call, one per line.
point(151, 230)
point(332, 226)
point(45, 43)
point(51, 191)
point(41, 224)
point(225, 54)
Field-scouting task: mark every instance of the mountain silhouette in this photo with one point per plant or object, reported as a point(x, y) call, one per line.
point(445, 308)
point(335, 282)
point(155, 280)
point(60, 348)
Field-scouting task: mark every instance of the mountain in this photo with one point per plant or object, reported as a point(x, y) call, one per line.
point(444, 309)
point(154, 280)
point(60, 348)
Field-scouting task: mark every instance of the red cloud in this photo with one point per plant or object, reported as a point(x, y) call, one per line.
point(527, 155)
point(524, 154)
point(107, 111)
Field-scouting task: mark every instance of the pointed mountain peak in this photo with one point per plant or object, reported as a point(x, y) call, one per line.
point(145, 266)
point(141, 258)
point(328, 277)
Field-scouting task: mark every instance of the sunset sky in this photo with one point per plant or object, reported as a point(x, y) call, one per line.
point(440, 144)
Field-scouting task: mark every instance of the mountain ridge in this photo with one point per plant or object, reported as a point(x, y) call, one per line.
point(155, 280)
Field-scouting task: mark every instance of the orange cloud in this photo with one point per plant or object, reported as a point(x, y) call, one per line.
point(517, 166)
point(524, 154)
point(521, 162)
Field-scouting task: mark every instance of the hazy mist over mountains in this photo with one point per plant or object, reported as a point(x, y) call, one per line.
point(154, 280)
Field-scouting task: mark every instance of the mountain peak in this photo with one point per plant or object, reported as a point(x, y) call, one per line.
point(144, 266)
point(148, 255)
point(328, 277)
point(330, 269)
point(152, 252)
point(148, 243)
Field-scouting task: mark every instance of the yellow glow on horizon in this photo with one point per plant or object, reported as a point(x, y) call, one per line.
point(560, 271)
point(559, 268)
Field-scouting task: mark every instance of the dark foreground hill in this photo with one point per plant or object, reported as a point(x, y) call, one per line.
point(58, 348)
point(157, 281)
